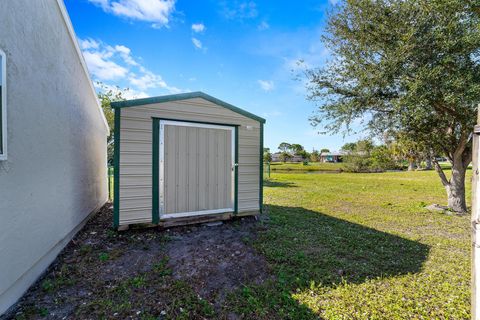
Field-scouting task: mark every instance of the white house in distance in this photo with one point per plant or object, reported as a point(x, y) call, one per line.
point(335, 156)
point(53, 162)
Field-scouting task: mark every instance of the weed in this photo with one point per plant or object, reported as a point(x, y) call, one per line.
point(103, 256)
point(47, 285)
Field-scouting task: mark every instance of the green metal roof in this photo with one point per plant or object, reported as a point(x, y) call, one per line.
point(183, 96)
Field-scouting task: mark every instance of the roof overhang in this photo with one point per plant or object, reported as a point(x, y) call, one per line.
point(184, 96)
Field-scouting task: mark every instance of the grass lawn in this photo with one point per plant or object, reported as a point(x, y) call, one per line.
point(360, 246)
point(332, 246)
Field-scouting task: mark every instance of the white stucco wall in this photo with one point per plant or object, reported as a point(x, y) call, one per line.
point(55, 174)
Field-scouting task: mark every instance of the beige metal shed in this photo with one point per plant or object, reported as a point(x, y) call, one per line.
point(185, 158)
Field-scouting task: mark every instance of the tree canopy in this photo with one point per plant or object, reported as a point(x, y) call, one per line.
point(404, 65)
point(106, 96)
point(284, 146)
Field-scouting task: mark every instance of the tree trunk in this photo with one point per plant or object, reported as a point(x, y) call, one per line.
point(456, 188)
point(411, 165)
point(428, 164)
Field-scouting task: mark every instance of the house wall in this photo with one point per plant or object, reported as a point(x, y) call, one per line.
point(55, 174)
point(136, 153)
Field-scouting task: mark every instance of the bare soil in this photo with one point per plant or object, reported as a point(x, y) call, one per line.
point(184, 272)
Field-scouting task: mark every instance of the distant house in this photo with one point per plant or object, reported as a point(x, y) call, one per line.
point(277, 157)
point(332, 157)
point(53, 142)
point(296, 158)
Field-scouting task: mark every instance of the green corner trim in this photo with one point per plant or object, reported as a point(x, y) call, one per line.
point(235, 203)
point(260, 195)
point(116, 170)
point(183, 96)
point(155, 170)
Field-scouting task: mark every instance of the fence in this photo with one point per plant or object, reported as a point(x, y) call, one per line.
point(266, 170)
point(110, 183)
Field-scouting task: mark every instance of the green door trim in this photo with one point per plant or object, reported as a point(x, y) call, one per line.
point(260, 195)
point(116, 169)
point(235, 204)
point(155, 170)
point(156, 163)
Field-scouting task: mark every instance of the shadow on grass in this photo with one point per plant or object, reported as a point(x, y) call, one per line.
point(306, 248)
point(278, 184)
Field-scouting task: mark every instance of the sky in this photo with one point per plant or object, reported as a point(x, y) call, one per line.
point(241, 52)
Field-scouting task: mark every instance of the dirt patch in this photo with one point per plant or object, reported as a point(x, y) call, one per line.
point(183, 272)
point(217, 259)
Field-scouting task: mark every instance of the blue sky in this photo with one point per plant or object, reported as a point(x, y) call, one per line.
point(242, 52)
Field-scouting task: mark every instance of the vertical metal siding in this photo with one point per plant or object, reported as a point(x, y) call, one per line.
point(196, 178)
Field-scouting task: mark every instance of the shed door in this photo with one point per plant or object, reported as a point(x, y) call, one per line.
point(196, 169)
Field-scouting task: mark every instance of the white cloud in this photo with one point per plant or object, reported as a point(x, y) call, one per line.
point(125, 53)
point(149, 80)
point(263, 26)
point(116, 63)
point(266, 85)
point(88, 44)
point(198, 27)
point(239, 9)
point(101, 3)
point(102, 68)
point(197, 43)
point(157, 12)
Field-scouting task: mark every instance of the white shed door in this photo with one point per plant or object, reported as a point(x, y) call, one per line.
point(196, 169)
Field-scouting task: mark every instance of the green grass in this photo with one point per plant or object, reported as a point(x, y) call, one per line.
point(312, 166)
point(360, 246)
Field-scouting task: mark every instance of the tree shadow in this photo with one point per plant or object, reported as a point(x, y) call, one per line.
point(329, 250)
point(278, 184)
point(304, 247)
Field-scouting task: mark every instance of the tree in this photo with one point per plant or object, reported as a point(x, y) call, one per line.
point(405, 148)
point(410, 65)
point(106, 95)
point(284, 147)
point(364, 146)
point(382, 158)
point(297, 149)
point(349, 147)
point(285, 156)
point(314, 156)
point(304, 154)
point(267, 156)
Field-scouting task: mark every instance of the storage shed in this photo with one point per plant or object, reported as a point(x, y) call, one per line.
point(185, 158)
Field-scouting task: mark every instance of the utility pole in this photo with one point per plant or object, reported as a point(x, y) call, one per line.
point(476, 221)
